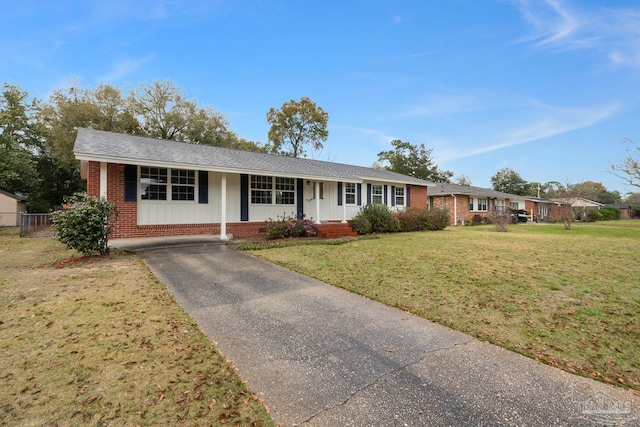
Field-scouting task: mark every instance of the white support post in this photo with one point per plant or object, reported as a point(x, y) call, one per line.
point(455, 210)
point(344, 204)
point(223, 207)
point(317, 194)
point(103, 179)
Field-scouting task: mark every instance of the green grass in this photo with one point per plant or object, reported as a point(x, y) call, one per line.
point(570, 299)
point(100, 341)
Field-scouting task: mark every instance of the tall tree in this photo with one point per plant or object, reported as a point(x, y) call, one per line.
point(163, 111)
point(595, 191)
point(19, 141)
point(462, 180)
point(411, 160)
point(509, 181)
point(295, 125)
point(629, 168)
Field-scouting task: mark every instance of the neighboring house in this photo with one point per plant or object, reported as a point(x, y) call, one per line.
point(164, 188)
point(626, 210)
point(10, 207)
point(541, 209)
point(464, 202)
point(580, 204)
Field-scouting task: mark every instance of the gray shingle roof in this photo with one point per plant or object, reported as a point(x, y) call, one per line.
point(15, 196)
point(446, 188)
point(112, 147)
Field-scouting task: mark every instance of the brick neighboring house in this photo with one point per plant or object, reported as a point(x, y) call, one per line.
point(167, 188)
point(464, 202)
point(541, 209)
point(11, 205)
point(626, 210)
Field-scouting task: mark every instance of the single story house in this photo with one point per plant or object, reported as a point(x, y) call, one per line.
point(11, 205)
point(166, 188)
point(541, 209)
point(580, 205)
point(464, 202)
point(626, 210)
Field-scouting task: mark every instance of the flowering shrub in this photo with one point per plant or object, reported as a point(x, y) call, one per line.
point(289, 226)
point(85, 225)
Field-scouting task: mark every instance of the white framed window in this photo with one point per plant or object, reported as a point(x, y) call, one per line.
point(376, 194)
point(153, 183)
point(513, 205)
point(285, 191)
point(500, 205)
point(158, 183)
point(350, 193)
point(268, 190)
point(399, 196)
point(183, 184)
point(482, 204)
point(470, 204)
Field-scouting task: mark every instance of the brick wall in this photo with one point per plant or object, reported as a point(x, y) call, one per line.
point(419, 197)
point(448, 202)
point(93, 179)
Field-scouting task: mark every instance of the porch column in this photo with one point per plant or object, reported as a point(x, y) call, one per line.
point(223, 207)
point(317, 197)
point(455, 210)
point(103, 179)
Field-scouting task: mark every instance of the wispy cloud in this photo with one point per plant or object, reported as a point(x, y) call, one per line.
point(379, 136)
point(545, 122)
point(443, 105)
point(561, 25)
point(125, 67)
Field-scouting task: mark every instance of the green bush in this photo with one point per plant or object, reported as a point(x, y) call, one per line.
point(592, 215)
point(85, 225)
point(380, 218)
point(289, 226)
point(422, 219)
point(361, 224)
point(610, 213)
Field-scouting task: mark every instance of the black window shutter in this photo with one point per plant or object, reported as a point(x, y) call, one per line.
point(408, 196)
point(385, 194)
point(368, 193)
point(359, 194)
point(339, 193)
point(393, 195)
point(300, 198)
point(130, 183)
point(203, 187)
point(244, 197)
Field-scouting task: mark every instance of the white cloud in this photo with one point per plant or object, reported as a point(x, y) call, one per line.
point(125, 67)
point(562, 25)
point(545, 122)
point(444, 105)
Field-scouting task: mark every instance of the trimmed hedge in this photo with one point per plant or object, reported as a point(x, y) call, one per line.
point(422, 219)
point(378, 218)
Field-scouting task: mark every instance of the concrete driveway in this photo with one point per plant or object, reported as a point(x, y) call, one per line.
point(321, 356)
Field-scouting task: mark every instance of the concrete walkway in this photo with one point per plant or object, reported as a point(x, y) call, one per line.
point(321, 356)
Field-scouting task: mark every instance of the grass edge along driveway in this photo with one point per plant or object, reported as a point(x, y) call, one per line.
point(100, 341)
point(570, 299)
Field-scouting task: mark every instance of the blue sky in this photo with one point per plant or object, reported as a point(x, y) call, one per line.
point(546, 87)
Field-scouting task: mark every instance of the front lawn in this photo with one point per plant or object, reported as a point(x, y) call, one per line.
point(570, 299)
point(100, 341)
